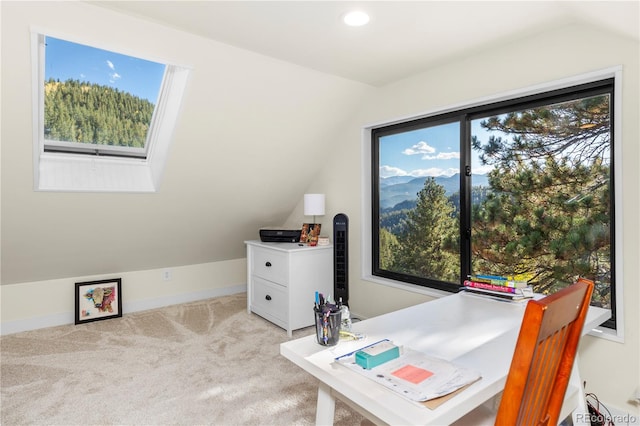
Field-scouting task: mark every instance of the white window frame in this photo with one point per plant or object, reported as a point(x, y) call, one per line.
point(616, 335)
point(77, 172)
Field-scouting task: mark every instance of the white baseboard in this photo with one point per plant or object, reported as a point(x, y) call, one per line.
point(36, 323)
point(146, 304)
point(65, 318)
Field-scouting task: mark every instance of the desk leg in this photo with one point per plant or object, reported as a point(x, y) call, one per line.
point(326, 406)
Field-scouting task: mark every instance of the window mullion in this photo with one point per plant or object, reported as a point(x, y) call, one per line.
point(465, 196)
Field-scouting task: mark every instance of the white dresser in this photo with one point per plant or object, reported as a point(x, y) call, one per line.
point(282, 279)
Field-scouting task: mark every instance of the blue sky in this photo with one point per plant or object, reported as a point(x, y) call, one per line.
point(432, 151)
point(65, 60)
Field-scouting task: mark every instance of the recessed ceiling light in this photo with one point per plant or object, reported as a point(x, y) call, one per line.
point(357, 18)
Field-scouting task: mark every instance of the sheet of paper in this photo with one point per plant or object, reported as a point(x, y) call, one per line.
point(412, 374)
point(416, 375)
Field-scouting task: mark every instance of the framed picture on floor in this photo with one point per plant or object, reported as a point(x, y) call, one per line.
point(98, 300)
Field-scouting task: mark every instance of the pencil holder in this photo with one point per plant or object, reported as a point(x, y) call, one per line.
point(328, 327)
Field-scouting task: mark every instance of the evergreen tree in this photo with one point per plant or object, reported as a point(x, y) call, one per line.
point(428, 246)
point(388, 248)
point(89, 113)
point(548, 214)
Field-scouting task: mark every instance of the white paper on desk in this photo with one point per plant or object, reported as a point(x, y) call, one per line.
point(415, 367)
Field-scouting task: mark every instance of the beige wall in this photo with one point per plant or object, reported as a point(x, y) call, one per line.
point(252, 132)
point(22, 307)
point(233, 90)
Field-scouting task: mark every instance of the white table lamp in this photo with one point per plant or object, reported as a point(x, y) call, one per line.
point(314, 205)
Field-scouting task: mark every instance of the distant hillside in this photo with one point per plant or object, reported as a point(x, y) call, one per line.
point(90, 113)
point(394, 180)
point(396, 189)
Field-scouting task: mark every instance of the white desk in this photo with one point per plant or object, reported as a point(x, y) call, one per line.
point(469, 330)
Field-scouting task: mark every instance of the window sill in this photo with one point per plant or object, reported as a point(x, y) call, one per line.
point(599, 332)
point(79, 173)
point(427, 291)
point(607, 334)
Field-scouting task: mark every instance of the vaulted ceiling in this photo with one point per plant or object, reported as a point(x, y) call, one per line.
point(402, 38)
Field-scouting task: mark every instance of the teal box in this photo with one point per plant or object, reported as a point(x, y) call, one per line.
point(377, 354)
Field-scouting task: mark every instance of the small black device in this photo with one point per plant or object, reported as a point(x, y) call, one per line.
point(341, 258)
point(280, 235)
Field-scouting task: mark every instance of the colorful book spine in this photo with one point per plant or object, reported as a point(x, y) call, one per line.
point(489, 286)
point(498, 280)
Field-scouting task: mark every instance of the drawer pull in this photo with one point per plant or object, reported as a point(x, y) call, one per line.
point(268, 264)
point(267, 297)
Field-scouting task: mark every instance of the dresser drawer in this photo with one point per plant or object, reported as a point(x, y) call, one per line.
point(270, 265)
point(282, 279)
point(269, 300)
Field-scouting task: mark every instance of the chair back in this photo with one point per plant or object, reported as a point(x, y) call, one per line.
point(544, 355)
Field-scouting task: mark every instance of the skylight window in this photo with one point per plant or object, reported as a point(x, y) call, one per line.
point(103, 119)
point(97, 101)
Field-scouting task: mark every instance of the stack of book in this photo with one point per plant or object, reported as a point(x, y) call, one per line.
point(498, 286)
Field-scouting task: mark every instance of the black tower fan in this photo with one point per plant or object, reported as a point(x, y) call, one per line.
point(341, 258)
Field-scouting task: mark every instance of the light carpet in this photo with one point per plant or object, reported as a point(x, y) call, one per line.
point(200, 363)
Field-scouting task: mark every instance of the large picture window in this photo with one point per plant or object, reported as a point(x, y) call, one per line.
point(523, 187)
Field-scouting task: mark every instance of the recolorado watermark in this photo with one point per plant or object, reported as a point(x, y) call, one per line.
point(600, 419)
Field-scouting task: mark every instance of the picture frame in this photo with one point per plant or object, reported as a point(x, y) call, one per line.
point(98, 300)
point(310, 233)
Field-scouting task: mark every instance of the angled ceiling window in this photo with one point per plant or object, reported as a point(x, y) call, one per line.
point(103, 120)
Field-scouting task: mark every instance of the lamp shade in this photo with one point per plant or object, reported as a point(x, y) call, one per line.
point(313, 204)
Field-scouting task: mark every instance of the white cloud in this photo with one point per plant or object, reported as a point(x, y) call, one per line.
point(110, 65)
point(419, 148)
point(434, 172)
point(442, 156)
point(388, 171)
point(427, 152)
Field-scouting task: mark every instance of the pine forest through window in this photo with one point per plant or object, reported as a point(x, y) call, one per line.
point(95, 98)
point(521, 188)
